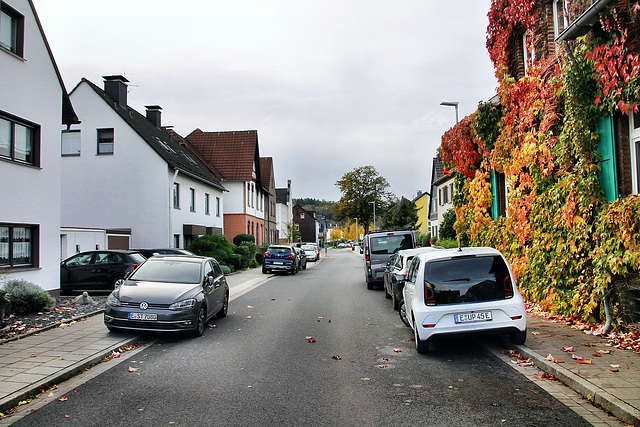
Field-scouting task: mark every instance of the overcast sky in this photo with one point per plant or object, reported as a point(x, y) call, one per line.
point(330, 85)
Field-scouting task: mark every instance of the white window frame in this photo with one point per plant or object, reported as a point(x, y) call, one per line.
point(557, 16)
point(192, 201)
point(71, 143)
point(526, 54)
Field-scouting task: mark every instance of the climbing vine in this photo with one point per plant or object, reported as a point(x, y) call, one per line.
point(566, 244)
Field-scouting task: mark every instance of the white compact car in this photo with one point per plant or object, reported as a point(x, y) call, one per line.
point(458, 291)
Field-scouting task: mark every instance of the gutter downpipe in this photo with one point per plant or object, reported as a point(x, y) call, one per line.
point(173, 181)
point(607, 313)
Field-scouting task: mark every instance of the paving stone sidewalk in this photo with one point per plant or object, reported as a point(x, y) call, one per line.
point(611, 380)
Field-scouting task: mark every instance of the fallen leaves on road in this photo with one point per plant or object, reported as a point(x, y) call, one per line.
point(397, 350)
point(311, 339)
point(336, 357)
point(550, 358)
point(63, 399)
point(131, 369)
point(585, 361)
point(567, 349)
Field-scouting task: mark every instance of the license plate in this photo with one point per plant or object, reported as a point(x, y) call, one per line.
point(143, 316)
point(278, 263)
point(483, 316)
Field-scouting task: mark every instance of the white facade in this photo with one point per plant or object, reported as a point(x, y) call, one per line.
point(133, 188)
point(444, 189)
point(32, 94)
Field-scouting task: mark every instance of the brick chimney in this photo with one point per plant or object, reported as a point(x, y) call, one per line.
point(154, 114)
point(116, 88)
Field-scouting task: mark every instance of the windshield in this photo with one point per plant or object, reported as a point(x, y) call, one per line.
point(279, 250)
point(469, 279)
point(170, 271)
point(390, 244)
point(308, 248)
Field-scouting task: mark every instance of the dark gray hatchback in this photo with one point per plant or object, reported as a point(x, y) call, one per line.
point(378, 249)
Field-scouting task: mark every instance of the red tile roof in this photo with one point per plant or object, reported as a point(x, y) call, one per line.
point(231, 153)
point(266, 166)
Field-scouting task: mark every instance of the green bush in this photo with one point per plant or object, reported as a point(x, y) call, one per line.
point(447, 243)
point(216, 246)
point(247, 252)
point(446, 229)
point(242, 238)
point(27, 298)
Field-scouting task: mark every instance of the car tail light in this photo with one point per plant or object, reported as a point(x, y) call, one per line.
point(366, 254)
point(133, 266)
point(516, 317)
point(508, 288)
point(429, 294)
point(267, 254)
point(291, 256)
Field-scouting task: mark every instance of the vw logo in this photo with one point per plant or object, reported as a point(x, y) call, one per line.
point(144, 305)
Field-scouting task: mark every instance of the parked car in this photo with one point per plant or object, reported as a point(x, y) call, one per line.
point(280, 258)
point(311, 252)
point(378, 249)
point(302, 259)
point(169, 293)
point(395, 273)
point(100, 270)
point(148, 253)
point(468, 290)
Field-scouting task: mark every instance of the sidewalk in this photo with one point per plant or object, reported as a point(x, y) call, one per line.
point(52, 356)
point(611, 380)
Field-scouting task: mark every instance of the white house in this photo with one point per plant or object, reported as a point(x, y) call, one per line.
point(284, 211)
point(33, 107)
point(123, 172)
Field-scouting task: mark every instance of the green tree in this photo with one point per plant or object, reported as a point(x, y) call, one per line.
point(216, 246)
point(359, 188)
point(292, 233)
point(401, 214)
point(446, 229)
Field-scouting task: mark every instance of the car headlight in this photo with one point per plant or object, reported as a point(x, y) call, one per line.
point(187, 304)
point(113, 301)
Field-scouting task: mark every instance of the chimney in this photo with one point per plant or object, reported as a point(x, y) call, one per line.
point(153, 114)
point(116, 88)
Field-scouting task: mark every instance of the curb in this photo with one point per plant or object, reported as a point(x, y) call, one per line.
point(598, 396)
point(32, 390)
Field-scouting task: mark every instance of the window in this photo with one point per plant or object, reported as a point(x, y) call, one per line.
point(560, 20)
point(19, 141)
point(206, 204)
point(608, 173)
point(11, 29)
point(529, 54)
point(176, 240)
point(248, 191)
point(70, 142)
point(18, 245)
point(217, 206)
point(301, 215)
point(192, 202)
point(105, 141)
point(499, 193)
point(176, 197)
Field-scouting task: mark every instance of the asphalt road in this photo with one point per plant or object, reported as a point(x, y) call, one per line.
point(258, 366)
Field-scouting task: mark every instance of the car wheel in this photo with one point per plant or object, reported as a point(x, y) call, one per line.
point(422, 346)
point(118, 282)
point(264, 270)
point(223, 311)
point(200, 321)
point(370, 286)
point(402, 311)
point(519, 337)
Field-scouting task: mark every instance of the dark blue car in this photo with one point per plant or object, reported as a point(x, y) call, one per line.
point(280, 258)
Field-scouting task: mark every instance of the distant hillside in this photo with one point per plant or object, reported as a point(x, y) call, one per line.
point(323, 208)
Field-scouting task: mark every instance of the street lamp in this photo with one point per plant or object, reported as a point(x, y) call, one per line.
point(357, 230)
point(451, 104)
point(374, 215)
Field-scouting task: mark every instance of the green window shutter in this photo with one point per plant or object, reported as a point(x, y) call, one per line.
point(495, 204)
point(608, 173)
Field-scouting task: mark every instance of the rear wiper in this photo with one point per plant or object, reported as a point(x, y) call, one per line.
point(463, 279)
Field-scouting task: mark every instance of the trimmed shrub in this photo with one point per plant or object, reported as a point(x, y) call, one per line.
point(28, 298)
point(242, 238)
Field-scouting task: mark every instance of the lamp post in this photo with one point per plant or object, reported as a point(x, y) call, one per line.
point(374, 215)
point(357, 230)
point(451, 104)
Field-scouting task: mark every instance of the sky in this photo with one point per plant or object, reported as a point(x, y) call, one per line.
point(330, 85)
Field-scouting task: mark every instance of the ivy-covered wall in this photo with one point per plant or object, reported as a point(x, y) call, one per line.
point(567, 244)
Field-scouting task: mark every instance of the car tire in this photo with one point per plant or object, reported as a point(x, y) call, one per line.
point(265, 270)
point(422, 346)
point(402, 312)
point(118, 282)
point(225, 307)
point(519, 337)
point(200, 321)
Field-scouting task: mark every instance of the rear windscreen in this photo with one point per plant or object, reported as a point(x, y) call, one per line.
point(468, 279)
point(390, 244)
point(279, 250)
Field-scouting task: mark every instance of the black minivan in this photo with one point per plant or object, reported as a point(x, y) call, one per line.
point(379, 246)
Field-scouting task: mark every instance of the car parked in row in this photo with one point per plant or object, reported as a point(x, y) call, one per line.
point(148, 253)
point(169, 293)
point(379, 246)
point(462, 291)
point(311, 252)
point(97, 270)
point(395, 273)
point(280, 258)
point(302, 259)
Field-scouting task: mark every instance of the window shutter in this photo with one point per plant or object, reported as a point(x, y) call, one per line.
point(608, 174)
point(495, 204)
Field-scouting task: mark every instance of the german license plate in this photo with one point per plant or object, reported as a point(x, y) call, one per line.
point(482, 316)
point(278, 263)
point(143, 316)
